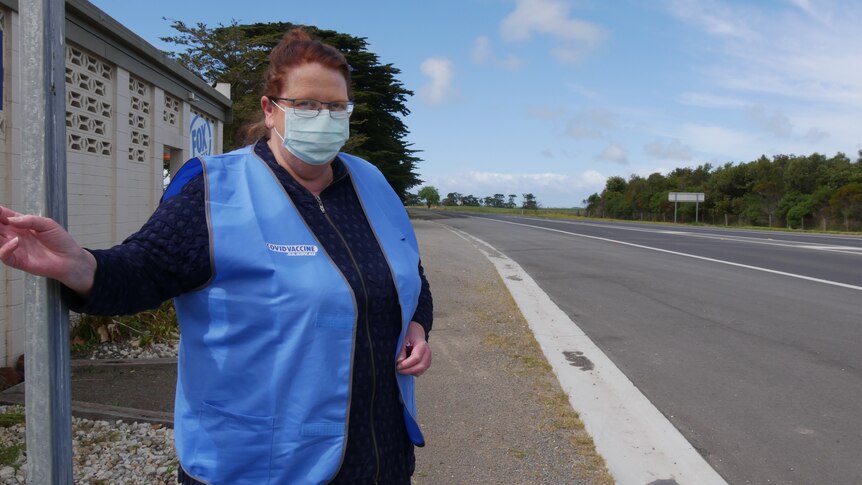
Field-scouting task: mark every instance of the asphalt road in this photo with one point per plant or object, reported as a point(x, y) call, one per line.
point(750, 342)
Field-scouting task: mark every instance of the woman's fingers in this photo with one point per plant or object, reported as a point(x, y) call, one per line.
point(7, 249)
point(6, 212)
point(33, 223)
point(419, 360)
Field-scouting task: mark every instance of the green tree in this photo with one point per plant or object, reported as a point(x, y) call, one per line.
point(800, 174)
point(847, 201)
point(452, 198)
point(659, 204)
point(615, 184)
point(836, 172)
point(656, 194)
point(470, 200)
point(613, 198)
point(511, 202)
point(429, 195)
point(498, 200)
point(593, 203)
point(813, 206)
point(799, 191)
point(614, 204)
point(238, 54)
point(727, 185)
point(529, 202)
point(792, 207)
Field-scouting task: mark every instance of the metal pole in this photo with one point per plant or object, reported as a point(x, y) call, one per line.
point(48, 384)
point(674, 211)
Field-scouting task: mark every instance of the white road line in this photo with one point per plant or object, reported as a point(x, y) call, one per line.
point(835, 249)
point(722, 237)
point(728, 230)
point(677, 253)
point(637, 441)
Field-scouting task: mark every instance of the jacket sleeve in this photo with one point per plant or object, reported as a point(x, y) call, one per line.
point(168, 256)
point(424, 314)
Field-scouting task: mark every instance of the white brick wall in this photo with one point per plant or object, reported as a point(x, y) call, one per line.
point(12, 287)
point(109, 195)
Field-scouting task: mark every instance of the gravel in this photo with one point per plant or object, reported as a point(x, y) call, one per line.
point(126, 350)
point(104, 452)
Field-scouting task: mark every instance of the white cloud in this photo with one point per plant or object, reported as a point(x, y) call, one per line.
point(569, 54)
point(672, 149)
point(800, 58)
point(814, 135)
point(614, 154)
point(511, 62)
point(713, 16)
point(482, 53)
point(592, 123)
point(775, 51)
point(551, 189)
point(440, 72)
point(581, 90)
point(481, 50)
point(823, 16)
point(729, 144)
point(773, 121)
point(705, 100)
point(551, 18)
point(582, 131)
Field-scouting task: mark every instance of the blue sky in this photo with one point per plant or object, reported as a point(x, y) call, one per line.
point(552, 97)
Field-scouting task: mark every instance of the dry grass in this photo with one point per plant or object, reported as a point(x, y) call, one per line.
point(514, 338)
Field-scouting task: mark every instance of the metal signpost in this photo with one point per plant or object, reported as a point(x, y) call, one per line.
point(696, 197)
point(48, 383)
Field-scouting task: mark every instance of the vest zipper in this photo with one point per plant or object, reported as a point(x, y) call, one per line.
point(368, 337)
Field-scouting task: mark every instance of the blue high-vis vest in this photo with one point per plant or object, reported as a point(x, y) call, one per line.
point(266, 351)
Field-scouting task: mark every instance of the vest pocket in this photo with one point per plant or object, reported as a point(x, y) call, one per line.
point(236, 447)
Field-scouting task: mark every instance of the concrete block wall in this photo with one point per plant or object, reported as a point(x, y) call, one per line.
point(118, 126)
point(11, 281)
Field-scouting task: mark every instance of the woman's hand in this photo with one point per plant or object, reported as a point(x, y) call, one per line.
point(419, 358)
point(40, 246)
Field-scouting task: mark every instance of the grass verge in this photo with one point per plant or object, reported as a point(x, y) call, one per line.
point(517, 341)
point(578, 214)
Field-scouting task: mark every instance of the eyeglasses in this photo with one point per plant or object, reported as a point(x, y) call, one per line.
point(309, 108)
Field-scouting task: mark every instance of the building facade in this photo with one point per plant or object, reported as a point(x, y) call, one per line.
point(133, 116)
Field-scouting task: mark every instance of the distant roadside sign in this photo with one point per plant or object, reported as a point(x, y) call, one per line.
point(696, 197)
point(686, 197)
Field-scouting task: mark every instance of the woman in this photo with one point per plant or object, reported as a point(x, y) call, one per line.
point(303, 307)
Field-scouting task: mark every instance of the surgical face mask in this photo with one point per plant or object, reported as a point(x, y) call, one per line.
point(315, 141)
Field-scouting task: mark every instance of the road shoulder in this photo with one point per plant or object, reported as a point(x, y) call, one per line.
point(491, 409)
point(639, 443)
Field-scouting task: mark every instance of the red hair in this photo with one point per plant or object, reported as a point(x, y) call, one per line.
point(296, 48)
